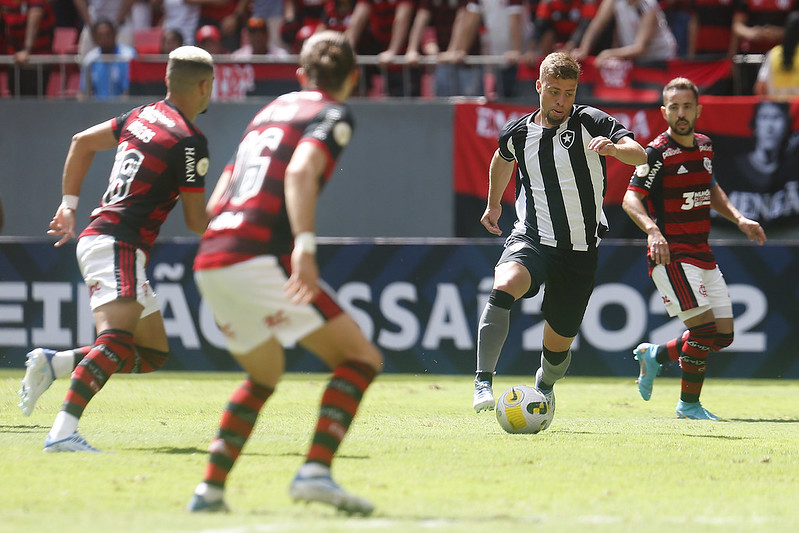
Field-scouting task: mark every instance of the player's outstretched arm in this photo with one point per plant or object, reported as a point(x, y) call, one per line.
point(627, 150)
point(79, 158)
point(721, 203)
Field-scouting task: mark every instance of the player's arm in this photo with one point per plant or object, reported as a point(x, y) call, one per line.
point(84, 146)
point(627, 150)
point(302, 178)
point(499, 174)
point(721, 203)
point(219, 190)
point(194, 212)
point(658, 246)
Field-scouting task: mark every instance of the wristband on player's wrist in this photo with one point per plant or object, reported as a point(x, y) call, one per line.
point(305, 242)
point(69, 201)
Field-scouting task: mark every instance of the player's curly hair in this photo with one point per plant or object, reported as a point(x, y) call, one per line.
point(559, 65)
point(327, 59)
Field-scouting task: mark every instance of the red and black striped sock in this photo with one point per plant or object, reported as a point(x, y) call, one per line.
point(235, 427)
point(722, 340)
point(693, 360)
point(671, 350)
point(110, 350)
point(144, 360)
point(340, 402)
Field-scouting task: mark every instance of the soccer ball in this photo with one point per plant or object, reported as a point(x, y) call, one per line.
point(523, 409)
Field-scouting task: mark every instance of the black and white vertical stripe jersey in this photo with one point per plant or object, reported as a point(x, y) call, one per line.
point(560, 183)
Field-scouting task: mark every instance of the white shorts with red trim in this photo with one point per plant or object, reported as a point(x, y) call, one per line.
point(114, 269)
point(250, 306)
point(688, 290)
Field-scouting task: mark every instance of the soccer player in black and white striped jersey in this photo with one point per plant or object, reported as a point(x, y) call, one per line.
point(559, 153)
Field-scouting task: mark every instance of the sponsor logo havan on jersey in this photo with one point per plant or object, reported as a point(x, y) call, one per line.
point(652, 173)
point(189, 152)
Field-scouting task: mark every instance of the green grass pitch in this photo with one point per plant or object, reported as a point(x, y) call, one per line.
point(609, 462)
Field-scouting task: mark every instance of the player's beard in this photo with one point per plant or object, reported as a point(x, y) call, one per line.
point(555, 121)
point(683, 127)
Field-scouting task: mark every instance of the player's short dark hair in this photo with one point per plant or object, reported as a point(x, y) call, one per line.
point(188, 65)
point(559, 65)
point(681, 84)
point(327, 59)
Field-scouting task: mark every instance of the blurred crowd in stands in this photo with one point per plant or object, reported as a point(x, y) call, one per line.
point(400, 34)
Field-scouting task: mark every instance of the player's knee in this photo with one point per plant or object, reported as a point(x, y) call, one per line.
point(722, 340)
point(148, 360)
point(369, 355)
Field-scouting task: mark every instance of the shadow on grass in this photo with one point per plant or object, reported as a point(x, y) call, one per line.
point(192, 450)
point(35, 428)
point(769, 420)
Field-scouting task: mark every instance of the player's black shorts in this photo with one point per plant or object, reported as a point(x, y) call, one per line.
point(568, 275)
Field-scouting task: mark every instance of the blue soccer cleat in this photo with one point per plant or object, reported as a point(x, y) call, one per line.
point(694, 411)
point(645, 354)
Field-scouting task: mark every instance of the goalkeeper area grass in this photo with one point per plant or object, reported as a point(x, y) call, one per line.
point(609, 461)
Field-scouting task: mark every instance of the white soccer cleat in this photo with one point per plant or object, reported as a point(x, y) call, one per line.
point(39, 375)
point(549, 394)
point(198, 504)
point(483, 396)
point(73, 443)
point(324, 490)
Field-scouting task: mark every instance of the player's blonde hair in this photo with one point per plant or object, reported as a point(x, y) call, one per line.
point(559, 65)
point(187, 66)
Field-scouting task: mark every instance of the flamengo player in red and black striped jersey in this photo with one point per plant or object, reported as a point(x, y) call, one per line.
point(256, 269)
point(678, 185)
point(160, 156)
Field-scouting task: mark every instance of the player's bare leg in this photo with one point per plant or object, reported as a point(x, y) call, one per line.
point(355, 363)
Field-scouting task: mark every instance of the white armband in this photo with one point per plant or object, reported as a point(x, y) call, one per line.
point(305, 242)
point(69, 201)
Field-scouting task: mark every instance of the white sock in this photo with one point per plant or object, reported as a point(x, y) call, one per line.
point(65, 425)
point(63, 363)
point(314, 470)
point(209, 492)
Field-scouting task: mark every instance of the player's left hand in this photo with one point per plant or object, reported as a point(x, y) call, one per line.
point(603, 146)
point(63, 225)
point(753, 231)
point(302, 286)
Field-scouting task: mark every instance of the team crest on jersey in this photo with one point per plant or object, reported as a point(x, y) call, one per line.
point(708, 165)
point(202, 166)
point(342, 133)
point(566, 139)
